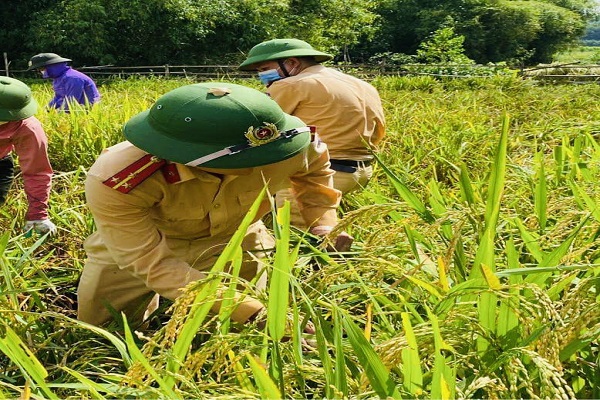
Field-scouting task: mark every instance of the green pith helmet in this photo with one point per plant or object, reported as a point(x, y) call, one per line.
point(16, 102)
point(277, 49)
point(43, 59)
point(217, 125)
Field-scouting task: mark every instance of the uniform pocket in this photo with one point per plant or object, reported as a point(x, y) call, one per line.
point(247, 198)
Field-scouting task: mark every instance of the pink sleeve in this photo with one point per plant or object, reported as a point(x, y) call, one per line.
point(31, 147)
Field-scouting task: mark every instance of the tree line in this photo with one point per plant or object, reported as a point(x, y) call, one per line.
point(157, 32)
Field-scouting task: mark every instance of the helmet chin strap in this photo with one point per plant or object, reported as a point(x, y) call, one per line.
point(282, 67)
point(243, 146)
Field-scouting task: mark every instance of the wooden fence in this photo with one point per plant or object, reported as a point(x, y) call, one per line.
point(569, 72)
point(572, 72)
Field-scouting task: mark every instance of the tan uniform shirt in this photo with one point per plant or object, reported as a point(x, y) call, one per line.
point(163, 233)
point(345, 109)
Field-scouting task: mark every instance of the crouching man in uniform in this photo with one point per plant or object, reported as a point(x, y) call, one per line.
point(167, 200)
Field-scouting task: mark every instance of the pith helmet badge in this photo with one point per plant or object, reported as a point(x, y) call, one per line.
point(262, 135)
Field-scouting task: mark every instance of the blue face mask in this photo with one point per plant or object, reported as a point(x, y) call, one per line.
point(269, 76)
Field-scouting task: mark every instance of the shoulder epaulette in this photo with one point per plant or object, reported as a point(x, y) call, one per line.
point(313, 133)
point(134, 174)
point(170, 173)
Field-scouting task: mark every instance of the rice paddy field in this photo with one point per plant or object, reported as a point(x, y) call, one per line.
point(475, 272)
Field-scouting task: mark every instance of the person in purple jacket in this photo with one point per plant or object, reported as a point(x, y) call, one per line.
point(69, 85)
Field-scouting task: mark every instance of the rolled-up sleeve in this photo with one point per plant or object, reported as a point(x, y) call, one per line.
point(313, 188)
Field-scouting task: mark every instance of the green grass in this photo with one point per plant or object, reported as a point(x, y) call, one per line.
point(475, 272)
point(582, 54)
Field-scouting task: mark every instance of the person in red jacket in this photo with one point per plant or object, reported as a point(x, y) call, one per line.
point(22, 134)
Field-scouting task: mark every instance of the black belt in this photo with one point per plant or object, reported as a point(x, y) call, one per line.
point(351, 163)
point(349, 166)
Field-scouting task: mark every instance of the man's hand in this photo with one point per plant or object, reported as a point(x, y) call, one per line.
point(259, 319)
point(343, 241)
point(40, 226)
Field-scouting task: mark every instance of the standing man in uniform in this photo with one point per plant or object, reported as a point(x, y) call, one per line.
point(167, 201)
point(22, 133)
point(346, 111)
point(70, 85)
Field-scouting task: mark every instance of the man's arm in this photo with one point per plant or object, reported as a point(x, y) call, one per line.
point(379, 119)
point(91, 92)
point(317, 199)
point(136, 245)
point(313, 187)
point(285, 95)
point(31, 146)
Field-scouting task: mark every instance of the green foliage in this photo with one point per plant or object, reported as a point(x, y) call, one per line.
point(580, 54)
point(102, 32)
point(444, 46)
point(494, 30)
point(15, 16)
point(333, 25)
point(560, 28)
point(158, 32)
point(109, 31)
point(474, 273)
point(393, 59)
point(76, 26)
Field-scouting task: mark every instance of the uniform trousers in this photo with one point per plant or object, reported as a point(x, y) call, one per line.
point(104, 286)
